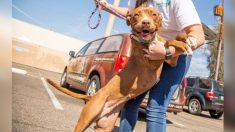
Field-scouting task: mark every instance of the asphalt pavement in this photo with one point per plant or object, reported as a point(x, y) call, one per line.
point(38, 107)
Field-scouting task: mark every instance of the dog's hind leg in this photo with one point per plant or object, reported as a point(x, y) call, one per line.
point(91, 110)
point(107, 122)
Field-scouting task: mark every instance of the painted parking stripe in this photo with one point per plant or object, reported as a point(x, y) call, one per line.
point(54, 100)
point(18, 71)
point(178, 124)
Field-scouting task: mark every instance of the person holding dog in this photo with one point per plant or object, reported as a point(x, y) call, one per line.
point(179, 17)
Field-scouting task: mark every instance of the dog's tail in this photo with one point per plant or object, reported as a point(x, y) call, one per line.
point(68, 92)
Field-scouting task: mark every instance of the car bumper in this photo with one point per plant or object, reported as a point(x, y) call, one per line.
point(171, 108)
point(215, 106)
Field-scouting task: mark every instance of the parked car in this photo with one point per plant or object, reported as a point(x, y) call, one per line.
point(98, 61)
point(204, 94)
point(177, 101)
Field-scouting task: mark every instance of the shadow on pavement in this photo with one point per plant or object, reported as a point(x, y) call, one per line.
point(201, 115)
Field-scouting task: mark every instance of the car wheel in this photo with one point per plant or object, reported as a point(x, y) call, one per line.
point(194, 107)
point(93, 85)
point(215, 114)
point(63, 82)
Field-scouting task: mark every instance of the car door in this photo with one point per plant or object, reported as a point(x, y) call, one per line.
point(89, 60)
point(190, 86)
point(108, 54)
point(76, 68)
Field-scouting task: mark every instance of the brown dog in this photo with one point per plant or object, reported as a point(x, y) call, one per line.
point(138, 76)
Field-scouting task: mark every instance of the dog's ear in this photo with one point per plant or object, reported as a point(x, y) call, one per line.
point(128, 18)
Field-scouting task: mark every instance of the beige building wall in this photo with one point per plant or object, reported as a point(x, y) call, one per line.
point(41, 48)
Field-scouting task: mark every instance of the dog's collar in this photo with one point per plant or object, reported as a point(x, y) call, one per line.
point(141, 40)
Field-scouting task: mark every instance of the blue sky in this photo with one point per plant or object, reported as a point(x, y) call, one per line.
point(70, 17)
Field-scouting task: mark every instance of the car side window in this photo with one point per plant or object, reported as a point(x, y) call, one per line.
point(82, 51)
point(204, 83)
point(112, 43)
point(190, 82)
point(94, 47)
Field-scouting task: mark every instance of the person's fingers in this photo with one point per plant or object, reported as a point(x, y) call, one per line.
point(146, 51)
point(153, 43)
point(147, 56)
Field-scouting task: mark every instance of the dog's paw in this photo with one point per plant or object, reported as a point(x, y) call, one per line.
point(179, 45)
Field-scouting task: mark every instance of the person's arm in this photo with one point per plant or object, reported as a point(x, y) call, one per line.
point(120, 10)
point(158, 51)
point(196, 31)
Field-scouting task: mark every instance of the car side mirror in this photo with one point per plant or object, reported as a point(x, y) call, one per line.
point(72, 53)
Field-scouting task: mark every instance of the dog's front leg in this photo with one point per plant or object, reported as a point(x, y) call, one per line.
point(181, 46)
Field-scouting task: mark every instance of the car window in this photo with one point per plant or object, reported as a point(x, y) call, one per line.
point(204, 83)
point(82, 51)
point(112, 43)
point(190, 82)
point(93, 47)
point(217, 86)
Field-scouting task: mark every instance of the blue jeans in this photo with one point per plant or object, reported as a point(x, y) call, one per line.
point(159, 98)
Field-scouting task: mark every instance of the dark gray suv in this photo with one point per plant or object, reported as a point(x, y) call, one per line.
point(204, 94)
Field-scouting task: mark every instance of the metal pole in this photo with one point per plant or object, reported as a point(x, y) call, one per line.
point(111, 20)
point(221, 34)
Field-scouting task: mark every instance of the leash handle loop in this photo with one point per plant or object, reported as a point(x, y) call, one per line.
point(98, 21)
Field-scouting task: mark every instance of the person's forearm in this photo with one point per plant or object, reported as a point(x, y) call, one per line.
point(195, 31)
point(120, 10)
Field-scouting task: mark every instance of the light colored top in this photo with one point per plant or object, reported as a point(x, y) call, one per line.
point(177, 14)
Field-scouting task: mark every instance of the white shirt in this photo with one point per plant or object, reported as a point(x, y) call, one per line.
point(177, 15)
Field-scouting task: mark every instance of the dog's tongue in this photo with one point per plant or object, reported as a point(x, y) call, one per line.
point(145, 35)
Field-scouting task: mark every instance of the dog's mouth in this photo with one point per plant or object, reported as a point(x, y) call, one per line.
point(146, 34)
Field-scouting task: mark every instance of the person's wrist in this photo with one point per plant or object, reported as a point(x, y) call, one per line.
point(168, 54)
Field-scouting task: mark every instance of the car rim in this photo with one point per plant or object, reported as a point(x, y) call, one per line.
point(194, 106)
point(92, 88)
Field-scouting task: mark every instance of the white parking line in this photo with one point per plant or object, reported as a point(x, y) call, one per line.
point(54, 100)
point(18, 71)
point(178, 124)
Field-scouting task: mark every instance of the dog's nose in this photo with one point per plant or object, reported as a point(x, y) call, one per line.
point(145, 22)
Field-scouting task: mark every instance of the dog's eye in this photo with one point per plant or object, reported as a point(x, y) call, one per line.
point(136, 15)
point(154, 14)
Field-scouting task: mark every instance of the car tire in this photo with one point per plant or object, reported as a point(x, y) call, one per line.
point(93, 85)
point(194, 106)
point(214, 114)
point(63, 82)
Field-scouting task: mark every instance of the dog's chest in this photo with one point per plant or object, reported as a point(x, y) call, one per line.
point(138, 57)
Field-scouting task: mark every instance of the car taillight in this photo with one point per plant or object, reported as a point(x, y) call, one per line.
point(210, 94)
point(120, 63)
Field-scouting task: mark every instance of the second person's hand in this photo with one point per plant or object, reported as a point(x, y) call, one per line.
point(156, 51)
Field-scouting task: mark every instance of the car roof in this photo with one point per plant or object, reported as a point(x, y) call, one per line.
point(125, 35)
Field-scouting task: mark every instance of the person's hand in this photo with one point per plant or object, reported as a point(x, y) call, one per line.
point(104, 2)
point(156, 51)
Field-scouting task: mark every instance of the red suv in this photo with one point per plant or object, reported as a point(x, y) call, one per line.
point(97, 62)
